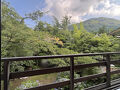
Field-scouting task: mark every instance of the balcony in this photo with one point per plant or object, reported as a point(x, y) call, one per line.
point(108, 85)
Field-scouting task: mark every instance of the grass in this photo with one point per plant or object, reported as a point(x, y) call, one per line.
point(43, 79)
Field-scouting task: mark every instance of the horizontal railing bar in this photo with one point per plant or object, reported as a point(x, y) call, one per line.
point(38, 72)
point(56, 85)
point(114, 87)
point(97, 87)
point(115, 72)
point(76, 80)
point(55, 56)
point(52, 70)
point(48, 71)
point(90, 65)
point(55, 70)
point(103, 85)
point(115, 81)
point(115, 62)
point(85, 78)
point(61, 84)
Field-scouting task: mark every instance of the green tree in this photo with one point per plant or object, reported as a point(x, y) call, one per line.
point(35, 16)
point(82, 27)
point(40, 26)
point(103, 29)
point(16, 37)
point(65, 22)
point(56, 23)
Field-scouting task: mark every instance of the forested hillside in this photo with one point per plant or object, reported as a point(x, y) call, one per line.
point(17, 39)
point(94, 24)
point(115, 32)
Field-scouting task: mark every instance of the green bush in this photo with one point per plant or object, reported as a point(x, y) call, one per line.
point(28, 84)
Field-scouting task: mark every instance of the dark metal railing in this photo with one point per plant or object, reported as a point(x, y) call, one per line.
point(7, 75)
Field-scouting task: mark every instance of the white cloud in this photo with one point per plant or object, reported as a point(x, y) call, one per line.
point(78, 8)
point(110, 9)
point(115, 10)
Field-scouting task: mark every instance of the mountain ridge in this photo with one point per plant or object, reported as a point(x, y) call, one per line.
point(93, 24)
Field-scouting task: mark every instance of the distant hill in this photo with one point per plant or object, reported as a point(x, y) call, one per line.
point(94, 24)
point(115, 32)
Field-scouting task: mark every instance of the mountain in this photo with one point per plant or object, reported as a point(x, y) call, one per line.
point(115, 32)
point(94, 24)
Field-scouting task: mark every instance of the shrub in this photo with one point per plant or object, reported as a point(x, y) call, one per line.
point(28, 84)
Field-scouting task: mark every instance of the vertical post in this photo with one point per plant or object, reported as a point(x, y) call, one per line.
point(104, 57)
point(6, 74)
point(108, 70)
point(71, 73)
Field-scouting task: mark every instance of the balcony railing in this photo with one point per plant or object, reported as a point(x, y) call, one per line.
point(106, 62)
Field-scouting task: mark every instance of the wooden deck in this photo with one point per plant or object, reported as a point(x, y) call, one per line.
point(108, 85)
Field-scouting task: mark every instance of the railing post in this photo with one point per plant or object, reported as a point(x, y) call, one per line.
point(71, 73)
point(104, 57)
point(6, 74)
point(108, 71)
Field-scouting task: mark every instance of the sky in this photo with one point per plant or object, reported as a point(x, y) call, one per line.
point(78, 10)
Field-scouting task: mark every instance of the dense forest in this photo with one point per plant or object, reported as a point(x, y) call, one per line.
point(17, 39)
